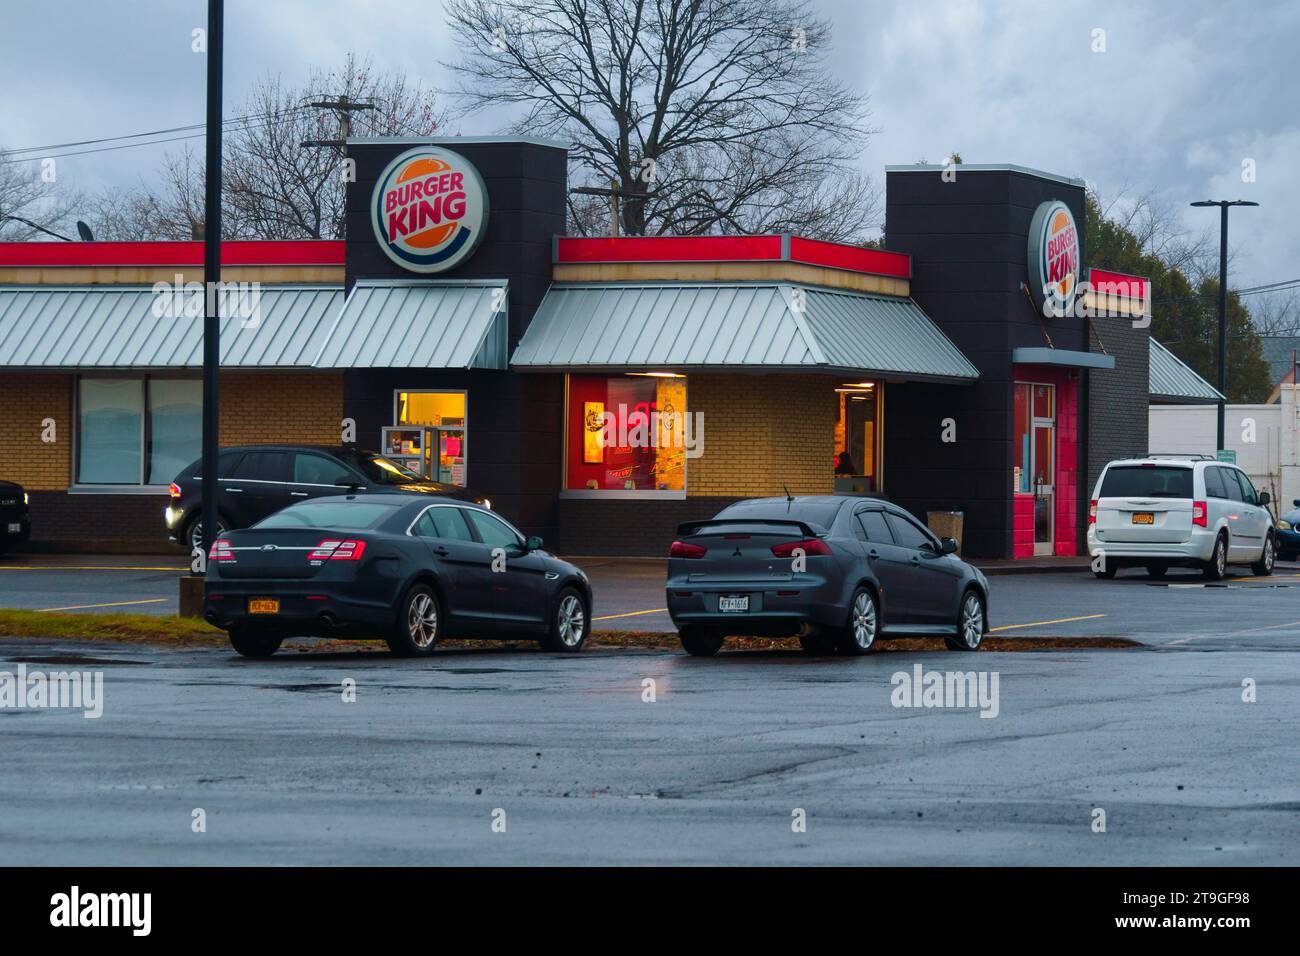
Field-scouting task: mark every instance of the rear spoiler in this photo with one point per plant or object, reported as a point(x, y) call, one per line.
point(805, 529)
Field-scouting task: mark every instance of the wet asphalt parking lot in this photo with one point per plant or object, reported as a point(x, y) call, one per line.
point(583, 767)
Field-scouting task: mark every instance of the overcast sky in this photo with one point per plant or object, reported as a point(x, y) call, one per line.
point(1184, 92)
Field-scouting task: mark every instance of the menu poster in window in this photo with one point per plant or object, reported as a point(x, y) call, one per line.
point(593, 451)
point(458, 472)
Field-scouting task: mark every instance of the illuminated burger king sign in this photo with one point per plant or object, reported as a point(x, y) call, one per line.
point(429, 209)
point(1054, 258)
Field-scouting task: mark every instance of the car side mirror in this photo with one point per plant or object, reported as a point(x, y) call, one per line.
point(1296, 503)
point(533, 544)
point(948, 546)
point(1264, 498)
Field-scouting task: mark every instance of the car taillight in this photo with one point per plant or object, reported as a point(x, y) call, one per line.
point(1092, 511)
point(681, 549)
point(336, 550)
point(174, 490)
point(809, 547)
point(1200, 514)
point(221, 551)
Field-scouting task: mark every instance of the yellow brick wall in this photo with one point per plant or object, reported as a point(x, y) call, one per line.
point(256, 408)
point(27, 399)
point(763, 433)
point(302, 408)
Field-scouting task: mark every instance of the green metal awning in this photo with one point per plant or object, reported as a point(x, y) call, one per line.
point(1171, 380)
point(735, 326)
point(126, 327)
point(419, 323)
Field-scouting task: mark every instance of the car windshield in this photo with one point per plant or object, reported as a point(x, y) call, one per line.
point(381, 470)
point(818, 512)
point(1147, 481)
point(343, 515)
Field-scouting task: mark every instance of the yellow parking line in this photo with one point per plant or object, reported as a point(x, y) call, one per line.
point(86, 567)
point(610, 617)
point(82, 607)
point(1059, 620)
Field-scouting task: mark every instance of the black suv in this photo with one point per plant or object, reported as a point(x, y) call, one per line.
point(259, 480)
point(15, 525)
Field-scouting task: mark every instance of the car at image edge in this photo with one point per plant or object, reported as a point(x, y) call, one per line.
point(1179, 511)
point(403, 569)
point(838, 572)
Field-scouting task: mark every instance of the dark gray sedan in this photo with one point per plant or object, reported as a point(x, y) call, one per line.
point(839, 572)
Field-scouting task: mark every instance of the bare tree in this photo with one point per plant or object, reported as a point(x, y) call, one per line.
point(274, 186)
point(1156, 221)
point(705, 116)
point(25, 193)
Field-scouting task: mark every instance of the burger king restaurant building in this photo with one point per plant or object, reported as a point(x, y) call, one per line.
point(599, 390)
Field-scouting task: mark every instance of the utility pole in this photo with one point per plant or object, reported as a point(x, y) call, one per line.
point(343, 108)
point(1223, 205)
point(613, 192)
point(211, 278)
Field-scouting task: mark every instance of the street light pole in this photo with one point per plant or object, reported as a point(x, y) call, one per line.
point(211, 278)
point(1223, 205)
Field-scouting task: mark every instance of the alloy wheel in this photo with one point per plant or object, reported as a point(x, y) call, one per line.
point(196, 534)
point(864, 620)
point(972, 621)
point(572, 621)
point(1221, 558)
point(1268, 555)
point(422, 621)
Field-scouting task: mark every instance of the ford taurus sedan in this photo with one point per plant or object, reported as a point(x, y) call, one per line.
point(841, 573)
point(400, 568)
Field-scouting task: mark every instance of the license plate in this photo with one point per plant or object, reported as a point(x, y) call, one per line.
point(264, 606)
point(733, 604)
point(15, 527)
point(1143, 517)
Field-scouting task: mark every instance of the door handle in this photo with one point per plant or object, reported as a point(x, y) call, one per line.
point(916, 561)
point(234, 490)
point(440, 551)
point(298, 494)
point(873, 554)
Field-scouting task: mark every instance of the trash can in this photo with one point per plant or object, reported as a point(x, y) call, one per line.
point(946, 524)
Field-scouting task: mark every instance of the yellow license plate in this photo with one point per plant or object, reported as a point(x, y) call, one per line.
point(264, 606)
point(1143, 517)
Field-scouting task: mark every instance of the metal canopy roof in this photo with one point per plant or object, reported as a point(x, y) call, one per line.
point(735, 326)
point(128, 327)
point(1170, 378)
point(419, 324)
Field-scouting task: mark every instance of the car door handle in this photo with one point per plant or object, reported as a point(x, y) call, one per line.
point(298, 494)
point(916, 561)
point(440, 551)
point(234, 490)
point(873, 554)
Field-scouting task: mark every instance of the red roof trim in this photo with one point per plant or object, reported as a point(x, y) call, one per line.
point(1119, 283)
point(637, 249)
point(305, 252)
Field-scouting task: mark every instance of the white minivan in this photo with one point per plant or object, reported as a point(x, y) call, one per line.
point(1189, 511)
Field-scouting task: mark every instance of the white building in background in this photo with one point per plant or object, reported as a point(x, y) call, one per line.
point(1266, 439)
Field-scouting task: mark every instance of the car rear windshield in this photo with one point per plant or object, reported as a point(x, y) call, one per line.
point(1147, 481)
point(343, 515)
point(811, 512)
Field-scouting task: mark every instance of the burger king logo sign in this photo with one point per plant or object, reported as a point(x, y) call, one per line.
point(1054, 258)
point(429, 209)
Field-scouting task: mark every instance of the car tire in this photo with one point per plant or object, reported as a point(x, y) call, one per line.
point(1107, 572)
point(1157, 570)
point(817, 643)
point(1217, 567)
point(1264, 566)
point(570, 623)
point(223, 525)
point(700, 643)
point(248, 642)
point(863, 627)
point(418, 626)
point(970, 623)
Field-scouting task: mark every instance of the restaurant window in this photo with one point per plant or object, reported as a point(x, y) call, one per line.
point(857, 438)
point(137, 431)
point(626, 433)
point(437, 446)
